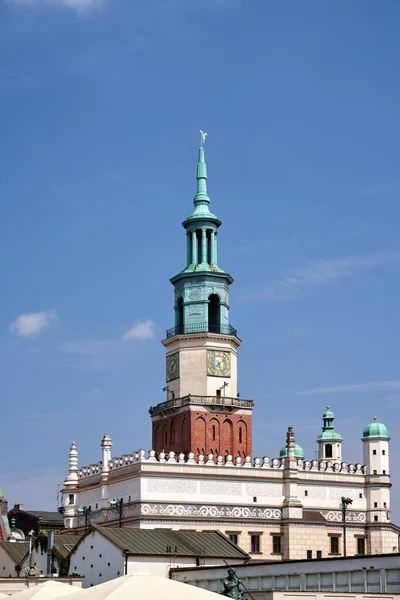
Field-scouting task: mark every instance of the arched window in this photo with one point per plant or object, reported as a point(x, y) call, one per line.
point(180, 318)
point(214, 313)
point(328, 451)
point(240, 435)
point(213, 433)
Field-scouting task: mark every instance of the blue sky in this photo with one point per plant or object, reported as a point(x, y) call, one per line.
point(101, 104)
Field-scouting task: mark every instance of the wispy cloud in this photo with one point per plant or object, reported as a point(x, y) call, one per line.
point(31, 324)
point(372, 386)
point(143, 330)
point(301, 280)
point(97, 354)
point(80, 6)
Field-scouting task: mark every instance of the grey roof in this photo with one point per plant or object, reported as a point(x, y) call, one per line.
point(47, 516)
point(17, 551)
point(65, 542)
point(163, 542)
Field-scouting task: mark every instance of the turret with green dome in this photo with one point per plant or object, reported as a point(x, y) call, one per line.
point(375, 430)
point(329, 440)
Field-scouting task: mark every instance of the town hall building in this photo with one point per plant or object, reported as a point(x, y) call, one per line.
point(200, 474)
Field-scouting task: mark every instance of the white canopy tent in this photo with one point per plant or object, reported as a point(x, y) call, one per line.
point(47, 591)
point(144, 586)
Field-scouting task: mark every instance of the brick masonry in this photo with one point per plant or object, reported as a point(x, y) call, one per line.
point(204, 432)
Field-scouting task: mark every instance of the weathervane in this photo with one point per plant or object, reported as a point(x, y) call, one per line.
point(203, 136)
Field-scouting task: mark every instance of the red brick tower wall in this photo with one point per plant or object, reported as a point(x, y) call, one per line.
point(203, 432)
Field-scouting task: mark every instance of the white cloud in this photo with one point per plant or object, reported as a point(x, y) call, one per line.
point(319, 273)
point(372, 386)
point(33, 323)
point(143, 330)
point(78, 5)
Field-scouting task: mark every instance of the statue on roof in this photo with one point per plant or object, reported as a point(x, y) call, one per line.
point(232, 586)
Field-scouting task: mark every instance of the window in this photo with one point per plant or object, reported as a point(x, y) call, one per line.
point(384, 505)
point(360, 495)
point(213, 433)
point(254, 498)
point(375, 517)
point(375, 471)
point(240, 436)
point(334, 545)
point(328, 451)
point(374, 452)
point(383, 452)
point(276, 544)
point(234, 538)
point(384, 472)
point(97, 505)
point(255, 543)
point(360, 545)
point(306, 492)
point(319, 553)
point(129, 498)
point(71, 499)
point(375, 505)
point(309, 554)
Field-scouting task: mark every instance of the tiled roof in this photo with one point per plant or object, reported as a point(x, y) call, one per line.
point(161, 542)
point(17, 551)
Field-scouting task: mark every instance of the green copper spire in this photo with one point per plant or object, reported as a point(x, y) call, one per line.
point(202, 199)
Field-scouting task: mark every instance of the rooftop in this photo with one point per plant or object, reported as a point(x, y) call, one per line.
point(160, 542)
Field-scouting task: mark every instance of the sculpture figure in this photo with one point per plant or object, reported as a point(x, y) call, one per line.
point(232, 586)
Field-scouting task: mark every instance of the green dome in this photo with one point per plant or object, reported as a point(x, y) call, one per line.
point(328, 431)
point(298, 452)
point(375, 430)
point(328, 415)
point(329, 434)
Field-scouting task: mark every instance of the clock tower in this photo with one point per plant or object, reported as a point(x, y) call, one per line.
point(202, 413)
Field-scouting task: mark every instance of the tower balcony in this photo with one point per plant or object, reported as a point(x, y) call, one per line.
point(212, 401)
point(188, 328)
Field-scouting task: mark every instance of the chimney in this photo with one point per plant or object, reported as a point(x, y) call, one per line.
point(18, 507)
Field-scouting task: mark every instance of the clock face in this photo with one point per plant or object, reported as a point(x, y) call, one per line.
point(218, 363)
point(173, 366)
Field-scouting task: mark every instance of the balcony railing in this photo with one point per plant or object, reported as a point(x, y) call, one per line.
point(200, 328)
point(200, 400)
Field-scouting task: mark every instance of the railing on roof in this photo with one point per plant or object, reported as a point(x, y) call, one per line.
point(202, 400)
point(200, 328)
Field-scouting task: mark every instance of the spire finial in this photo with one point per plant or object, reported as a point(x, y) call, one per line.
point(203, 136)
point(375, 418)
point(328, 407)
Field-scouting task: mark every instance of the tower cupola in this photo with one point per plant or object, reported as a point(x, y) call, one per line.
point(329, 440)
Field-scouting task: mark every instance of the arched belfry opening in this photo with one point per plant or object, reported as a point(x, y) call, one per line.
point(214, 313)
point(180, 316)
point(328, 451)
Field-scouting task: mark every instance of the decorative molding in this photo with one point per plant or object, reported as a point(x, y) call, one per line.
point(351, 516)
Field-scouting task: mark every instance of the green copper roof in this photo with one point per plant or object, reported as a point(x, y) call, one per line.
point(201, 200)
point(328, 430)
point(375, 430)
point(298, 452)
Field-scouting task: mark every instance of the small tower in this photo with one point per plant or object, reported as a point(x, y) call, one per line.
point(71, 487)
point(376, 459)
point(292, 508)
point(329, 440)
point(106, 445)
point(202, 413)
